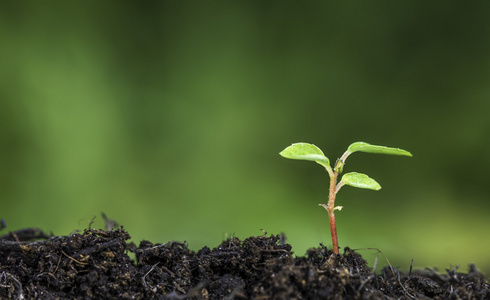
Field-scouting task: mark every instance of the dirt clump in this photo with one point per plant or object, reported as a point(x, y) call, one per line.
point(95, 265)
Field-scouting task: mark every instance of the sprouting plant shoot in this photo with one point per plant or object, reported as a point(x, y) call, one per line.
point(305, 151)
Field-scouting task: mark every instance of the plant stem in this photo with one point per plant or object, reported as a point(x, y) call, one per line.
point(331, 212)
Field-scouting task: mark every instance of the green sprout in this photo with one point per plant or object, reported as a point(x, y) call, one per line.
point(305, 151)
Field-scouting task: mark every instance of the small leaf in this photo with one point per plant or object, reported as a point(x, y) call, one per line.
point(368, 148)
point(305, 151)
point(360, 180)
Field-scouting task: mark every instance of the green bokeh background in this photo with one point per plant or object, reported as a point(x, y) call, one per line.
point(169, 117)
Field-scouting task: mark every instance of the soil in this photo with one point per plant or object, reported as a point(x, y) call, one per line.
point(95, 265)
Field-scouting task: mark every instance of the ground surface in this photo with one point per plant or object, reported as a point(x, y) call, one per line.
point(95, 265)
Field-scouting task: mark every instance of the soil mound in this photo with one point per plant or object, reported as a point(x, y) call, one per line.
point(95, 265)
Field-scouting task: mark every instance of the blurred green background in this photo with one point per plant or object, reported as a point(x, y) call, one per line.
point(169, 116)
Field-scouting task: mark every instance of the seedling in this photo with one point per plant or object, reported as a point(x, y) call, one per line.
point(305, 151)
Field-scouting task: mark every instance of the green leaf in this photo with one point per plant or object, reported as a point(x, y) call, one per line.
point(305, 151)
point(360, 180)
point(368, 148)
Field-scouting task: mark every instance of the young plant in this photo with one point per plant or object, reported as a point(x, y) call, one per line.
point(305, 151)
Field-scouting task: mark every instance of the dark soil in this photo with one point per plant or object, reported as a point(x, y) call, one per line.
point(95, 265)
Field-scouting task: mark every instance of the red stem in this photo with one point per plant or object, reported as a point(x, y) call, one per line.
point(331, 212)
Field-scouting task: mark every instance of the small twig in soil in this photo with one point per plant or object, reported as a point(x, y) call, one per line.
point(102, 246)
point(78, 262)
point(403, 287)
point(275, 250)
point(91, 223)
point(375, 265)
point(144, 276)
point(150, 248)
point(3, 278)
point(168, 271)
point(58, 265)
point(365, 281)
